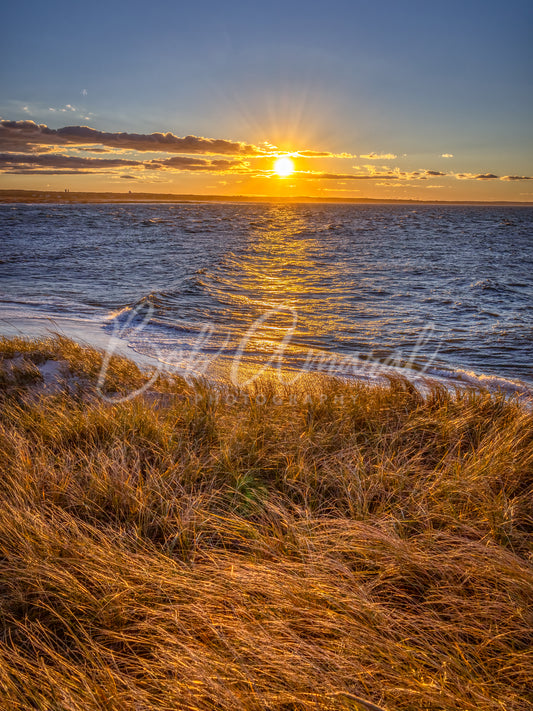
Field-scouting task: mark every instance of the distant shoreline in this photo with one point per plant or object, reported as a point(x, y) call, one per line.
point(57, 197)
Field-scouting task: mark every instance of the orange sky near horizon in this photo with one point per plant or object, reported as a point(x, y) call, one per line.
point(37, 157)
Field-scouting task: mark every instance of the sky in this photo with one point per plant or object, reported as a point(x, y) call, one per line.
point(377, 99)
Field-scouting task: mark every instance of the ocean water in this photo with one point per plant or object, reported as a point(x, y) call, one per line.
point(444, 291)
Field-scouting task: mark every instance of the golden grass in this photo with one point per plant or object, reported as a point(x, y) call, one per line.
point(298, 550)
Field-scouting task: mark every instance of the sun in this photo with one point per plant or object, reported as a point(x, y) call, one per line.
point(284, 167)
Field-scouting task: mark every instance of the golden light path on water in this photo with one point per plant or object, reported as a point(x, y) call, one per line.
point(276, 290)
point(190, 284)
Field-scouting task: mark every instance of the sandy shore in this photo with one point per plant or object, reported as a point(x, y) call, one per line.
point(19, 321)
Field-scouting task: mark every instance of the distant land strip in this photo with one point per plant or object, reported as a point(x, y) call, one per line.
point(49, 196)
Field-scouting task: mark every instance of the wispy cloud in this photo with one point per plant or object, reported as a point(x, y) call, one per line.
point(313, 175)
point(379, 156)
point(446, 155)
point(185, 163)
point(400, 176)
point(324, 154)
point(517, 177)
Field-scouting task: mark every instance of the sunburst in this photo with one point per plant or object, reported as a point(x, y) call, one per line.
point(284, 167)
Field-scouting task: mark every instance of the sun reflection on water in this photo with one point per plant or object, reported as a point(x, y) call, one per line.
point(281, 268)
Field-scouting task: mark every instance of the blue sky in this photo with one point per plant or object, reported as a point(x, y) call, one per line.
point(411, 79)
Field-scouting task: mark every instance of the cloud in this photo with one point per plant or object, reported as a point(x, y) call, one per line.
point(314, 154)
point(343, 176)
point(17, 134)
point(87, 149)
point(479, 176)
point(517, 177)
point(28, 147)
point(379, 156)
point(185, 163)
point(324, 154)
point(29, 171)
point(12, 160)
point(374, 174)
point(55, 163)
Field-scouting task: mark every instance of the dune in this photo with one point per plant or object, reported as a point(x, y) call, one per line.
point(331, 546)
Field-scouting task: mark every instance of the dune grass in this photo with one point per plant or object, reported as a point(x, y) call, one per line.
point(327, 547)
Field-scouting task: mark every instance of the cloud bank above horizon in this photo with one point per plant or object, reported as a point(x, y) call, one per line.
point(29, 148)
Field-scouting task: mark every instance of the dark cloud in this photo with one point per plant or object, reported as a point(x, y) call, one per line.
point(184, 163)
point(58, 162)
point(17, 135)
point(315, 154)
point(20, 162)
point(346, 176)
point(33, 171)
point(89, 149)
point(517, 177)
point(480, 176)
point(373, 175)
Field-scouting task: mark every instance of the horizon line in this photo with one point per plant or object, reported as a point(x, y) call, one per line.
point(9, 196)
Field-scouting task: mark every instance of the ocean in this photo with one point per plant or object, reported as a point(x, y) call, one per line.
point(231, 289)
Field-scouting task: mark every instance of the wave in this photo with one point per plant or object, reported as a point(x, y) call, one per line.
point(360, 278)
point(138, 310)
point(482, 381)
point(198, 350)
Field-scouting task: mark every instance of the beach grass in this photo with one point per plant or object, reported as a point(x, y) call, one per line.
point(326, 546)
